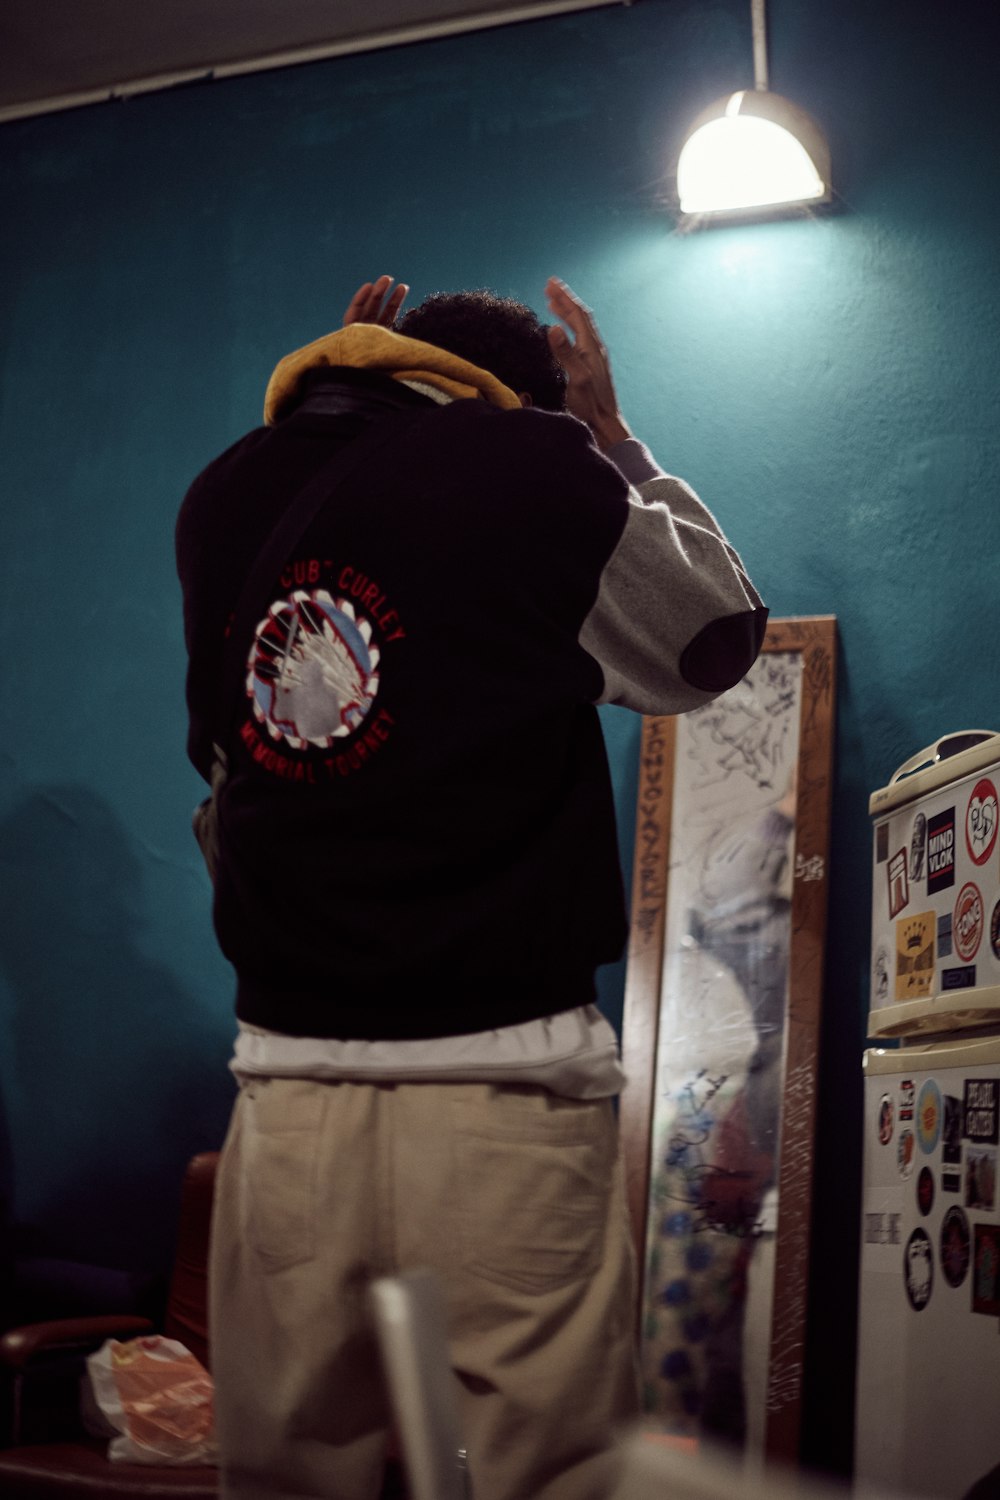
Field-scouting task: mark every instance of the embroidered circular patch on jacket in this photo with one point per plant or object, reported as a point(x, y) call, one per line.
point(312, 675)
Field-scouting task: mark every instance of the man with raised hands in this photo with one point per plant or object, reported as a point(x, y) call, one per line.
point(417, 874)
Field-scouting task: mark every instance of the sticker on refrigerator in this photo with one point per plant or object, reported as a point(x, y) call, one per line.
point(951, 1128)
point(967, 921)
point(925, 1191)
point(959, 979)
point(880, 976)
point(899, 889)
point(915, 955)
point(951, 1182)
point(981, 821)
point(882, 843)
point(995, 931)
point(905, 1151)
point(907, 1097)
point(883, 1228)
point(941, 851)
point(980, 1177)
point(944, 934)
point(885, 1119)
point(986, 1269)
point(956, 1246)
point(918, 1269)
point(929, 1116)
point(981, 1121)
point(918, 846)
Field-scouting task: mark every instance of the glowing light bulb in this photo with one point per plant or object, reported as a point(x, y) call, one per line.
point(750, 154)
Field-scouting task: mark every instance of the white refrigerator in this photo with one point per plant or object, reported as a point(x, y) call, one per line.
point(928, 1391)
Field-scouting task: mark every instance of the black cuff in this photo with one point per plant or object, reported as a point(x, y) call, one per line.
point(724, 651)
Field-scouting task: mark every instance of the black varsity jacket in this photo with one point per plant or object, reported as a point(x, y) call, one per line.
point(417, 831)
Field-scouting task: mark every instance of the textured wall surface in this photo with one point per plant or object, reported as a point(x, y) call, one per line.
point(829, 386)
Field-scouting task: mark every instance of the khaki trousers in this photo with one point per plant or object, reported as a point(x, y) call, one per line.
point(514, 1196)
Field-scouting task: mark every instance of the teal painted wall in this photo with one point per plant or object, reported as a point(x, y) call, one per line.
point(830, 388)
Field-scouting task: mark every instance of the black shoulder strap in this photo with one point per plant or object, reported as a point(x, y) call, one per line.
point(292, 524)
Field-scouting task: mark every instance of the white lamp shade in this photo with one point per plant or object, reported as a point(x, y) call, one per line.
point(752, 150)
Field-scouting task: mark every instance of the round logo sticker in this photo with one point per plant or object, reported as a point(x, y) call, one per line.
point(981, 821)
point(928, 1116)
point(918, 1269)
point(886, 1116)
point(967, 922)
point(925, 1191)
point(995, 931)
point(955, 1246)
point(904, 1153)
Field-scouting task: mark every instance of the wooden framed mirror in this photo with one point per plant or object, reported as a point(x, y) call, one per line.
point(720, 1041)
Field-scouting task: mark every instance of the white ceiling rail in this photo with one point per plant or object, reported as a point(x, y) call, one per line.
point(420, 31)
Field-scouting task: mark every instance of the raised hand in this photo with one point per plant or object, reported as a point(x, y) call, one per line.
point(590, 391)
point(366, 306)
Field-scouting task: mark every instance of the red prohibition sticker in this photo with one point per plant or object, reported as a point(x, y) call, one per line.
point(967, 923)
point(981, 821)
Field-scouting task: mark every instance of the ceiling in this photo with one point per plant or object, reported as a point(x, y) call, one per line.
point(59, 53)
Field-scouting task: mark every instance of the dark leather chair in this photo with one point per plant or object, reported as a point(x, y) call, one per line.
point(33, 1468)
point(35, 1358)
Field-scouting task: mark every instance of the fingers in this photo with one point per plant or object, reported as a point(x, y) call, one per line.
point(567, 305)
point(393, 305)
point(359, 307)
point(366, 304)
point(560, 345)
point(590, 391)
point(561, 297)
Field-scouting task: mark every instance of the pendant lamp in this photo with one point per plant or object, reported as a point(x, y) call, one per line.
point(752, 154)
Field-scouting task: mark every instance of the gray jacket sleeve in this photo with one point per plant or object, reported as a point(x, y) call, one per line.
point(676, 620)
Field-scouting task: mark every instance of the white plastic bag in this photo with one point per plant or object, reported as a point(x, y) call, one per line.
point(159, 1400)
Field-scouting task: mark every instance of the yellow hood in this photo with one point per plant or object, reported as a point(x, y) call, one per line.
point(367, 346)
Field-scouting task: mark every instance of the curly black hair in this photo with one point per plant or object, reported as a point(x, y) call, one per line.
point(495, 333)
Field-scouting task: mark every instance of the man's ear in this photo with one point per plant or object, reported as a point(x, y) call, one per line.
point(525, 398)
